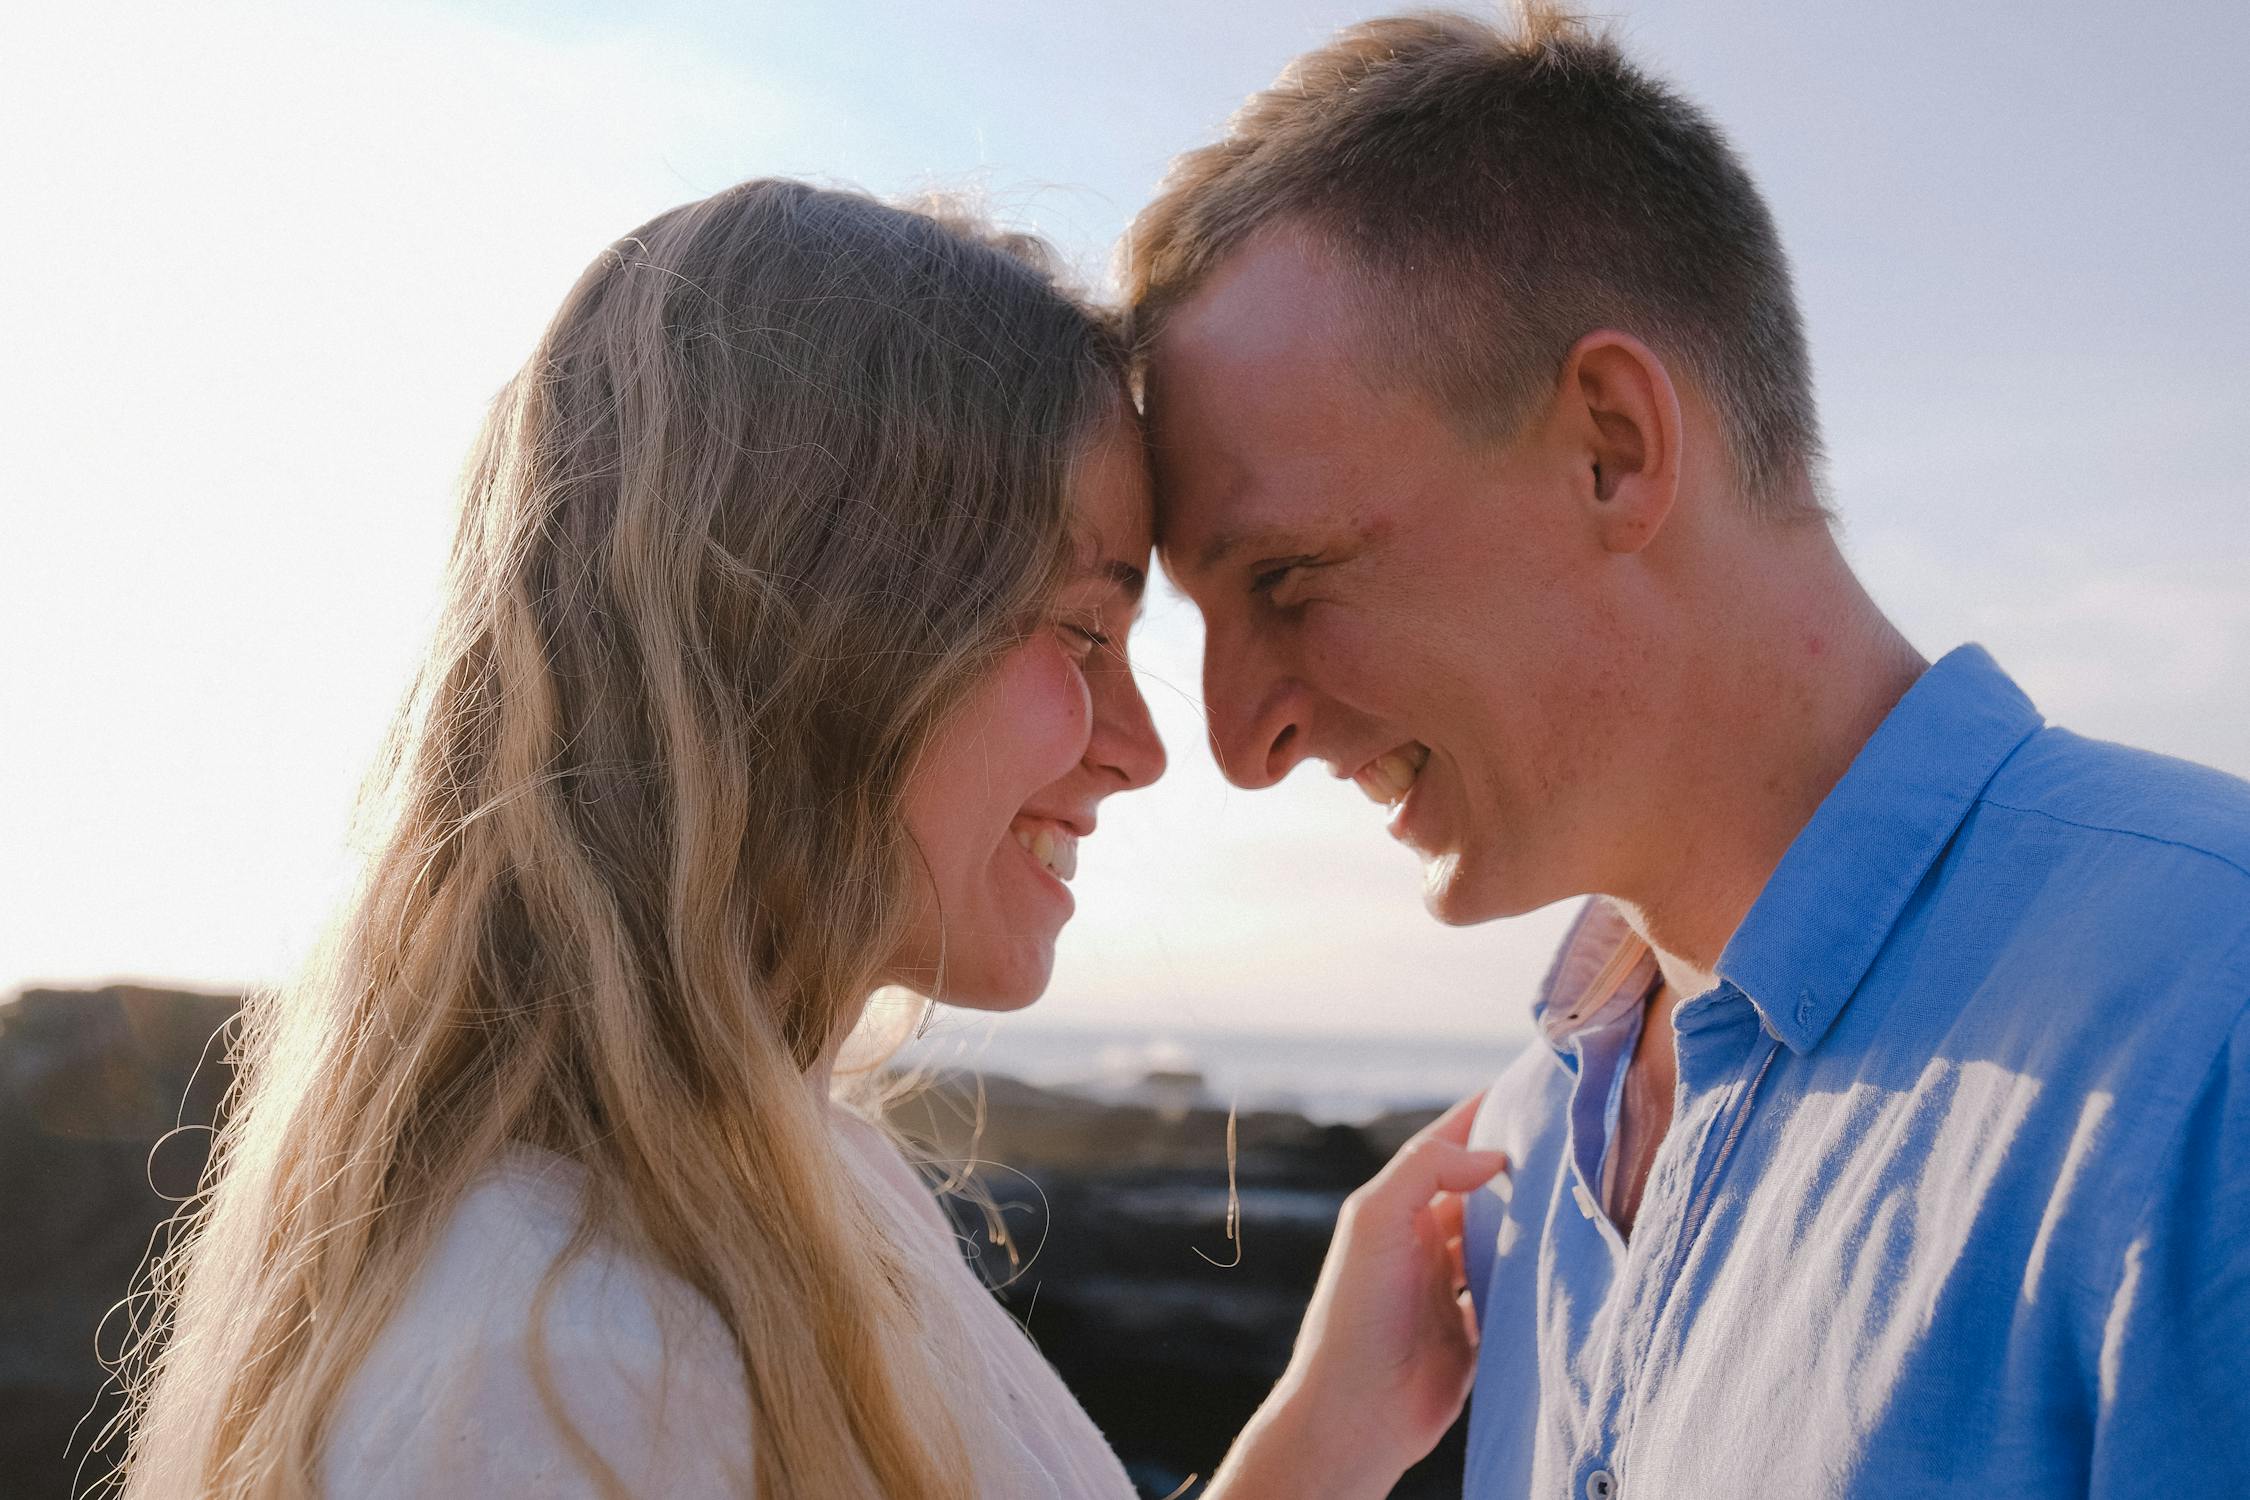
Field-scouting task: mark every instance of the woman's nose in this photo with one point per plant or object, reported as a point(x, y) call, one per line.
point(1125, 742)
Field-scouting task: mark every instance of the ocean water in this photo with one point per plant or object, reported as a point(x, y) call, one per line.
point(1327, 1078)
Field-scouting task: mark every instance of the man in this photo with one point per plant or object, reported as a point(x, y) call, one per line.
point(1890, 1132)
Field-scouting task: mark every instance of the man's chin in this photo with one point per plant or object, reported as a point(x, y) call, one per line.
point(1464, 893)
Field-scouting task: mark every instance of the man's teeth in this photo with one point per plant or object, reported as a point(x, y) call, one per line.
point(1052, 847)
point(1390, 775)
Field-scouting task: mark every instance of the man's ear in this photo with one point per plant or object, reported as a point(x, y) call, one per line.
point(1622, 417)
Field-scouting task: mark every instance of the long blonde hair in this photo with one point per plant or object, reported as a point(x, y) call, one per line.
point(786, 472)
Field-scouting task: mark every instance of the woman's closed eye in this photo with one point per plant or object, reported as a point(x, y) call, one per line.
point(1083, 636)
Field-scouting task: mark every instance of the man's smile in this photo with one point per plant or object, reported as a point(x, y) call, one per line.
point(1390, 776)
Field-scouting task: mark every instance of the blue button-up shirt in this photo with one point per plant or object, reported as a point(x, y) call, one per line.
point(1956, 1195)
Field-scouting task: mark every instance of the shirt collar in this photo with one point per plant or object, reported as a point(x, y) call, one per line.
point(1602, 969)
point(1832, 902)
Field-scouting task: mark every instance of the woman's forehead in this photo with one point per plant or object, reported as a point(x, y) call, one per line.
point(1114, 506)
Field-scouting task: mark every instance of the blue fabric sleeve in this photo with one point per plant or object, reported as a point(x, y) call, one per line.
point(2173, 1414)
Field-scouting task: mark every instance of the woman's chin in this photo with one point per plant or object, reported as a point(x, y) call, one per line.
point(1000, 987)
point(996, 1005)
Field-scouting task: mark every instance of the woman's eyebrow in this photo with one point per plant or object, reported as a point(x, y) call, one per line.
point(1131, 581)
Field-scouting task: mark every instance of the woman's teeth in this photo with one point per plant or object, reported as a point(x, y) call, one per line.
point(1052, 847)
point(1389, 776)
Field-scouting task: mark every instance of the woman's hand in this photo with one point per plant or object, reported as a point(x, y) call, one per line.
point(1383, 1361)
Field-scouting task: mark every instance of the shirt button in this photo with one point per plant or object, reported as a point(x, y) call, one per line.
point(1586, 1204)
point(1601, 1485)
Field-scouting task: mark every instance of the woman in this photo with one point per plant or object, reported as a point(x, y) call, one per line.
point(782, 661)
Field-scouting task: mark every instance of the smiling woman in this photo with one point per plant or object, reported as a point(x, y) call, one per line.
point(790, 584)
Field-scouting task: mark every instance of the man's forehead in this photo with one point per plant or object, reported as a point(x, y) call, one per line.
point(1257, 363)
point(1279, 290)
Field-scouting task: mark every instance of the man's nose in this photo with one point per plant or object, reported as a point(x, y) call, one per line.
point(1255, 717)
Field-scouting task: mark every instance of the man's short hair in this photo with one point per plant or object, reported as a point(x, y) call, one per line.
point(1502, 193)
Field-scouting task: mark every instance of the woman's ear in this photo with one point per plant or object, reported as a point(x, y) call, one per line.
point(1623, 415)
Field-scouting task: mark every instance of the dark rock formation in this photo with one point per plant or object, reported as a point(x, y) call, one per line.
point(93, 1086)
point(1167, 1331)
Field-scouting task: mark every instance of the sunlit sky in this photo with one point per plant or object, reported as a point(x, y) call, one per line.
point(267, 261)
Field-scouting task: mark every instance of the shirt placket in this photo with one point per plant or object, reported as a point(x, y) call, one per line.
point(1722, 1056)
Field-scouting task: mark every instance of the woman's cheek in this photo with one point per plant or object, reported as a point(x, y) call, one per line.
point(1057, 717)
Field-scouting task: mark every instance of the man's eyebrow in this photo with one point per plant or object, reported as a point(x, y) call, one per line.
point(1227, 544)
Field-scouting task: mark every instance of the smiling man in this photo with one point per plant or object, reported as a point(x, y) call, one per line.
point(1891, 1131)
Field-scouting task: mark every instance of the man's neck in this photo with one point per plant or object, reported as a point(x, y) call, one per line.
point(1792, 680)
